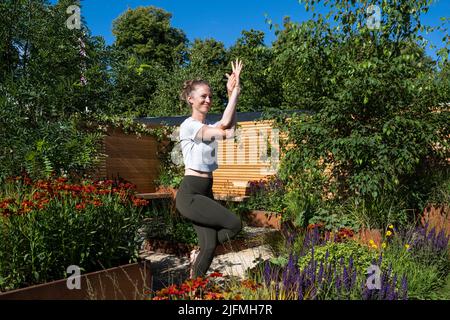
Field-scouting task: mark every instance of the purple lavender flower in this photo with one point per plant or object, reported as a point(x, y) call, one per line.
point(267, 273)
point(404, 288)
point(380, 259)
point(391, 295)
point(338, 285)
point(353, 280)
point(346, 279)
point(366, 293)
point(300, 286)
point(350, 263)
point(320, 274)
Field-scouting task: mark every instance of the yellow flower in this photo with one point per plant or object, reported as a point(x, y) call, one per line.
point(383, 245)
point(407, 246)
point(371, 242)
point(388, 233)
point(374, 246)
point(391, 226)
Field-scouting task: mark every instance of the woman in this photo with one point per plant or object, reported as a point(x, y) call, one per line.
point(198, 138)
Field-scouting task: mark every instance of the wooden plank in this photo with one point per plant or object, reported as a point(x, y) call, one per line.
point(154, 195)
point(230, 198)
point(147, 164)
point(132, 151)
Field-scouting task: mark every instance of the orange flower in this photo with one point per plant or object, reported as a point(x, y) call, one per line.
point(102, 192)
point(97, 203)
point(139, 202)
point(172, 289)
point(89, 189)
point(81, 206)
point(5, 203)
point(6, 212)
point(213, 296)
point(315, 225)
point(216, 275)
point(61, 180)
point(250, 284)
point(38, 195)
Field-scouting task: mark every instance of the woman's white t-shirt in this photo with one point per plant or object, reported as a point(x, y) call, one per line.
point(197, 154)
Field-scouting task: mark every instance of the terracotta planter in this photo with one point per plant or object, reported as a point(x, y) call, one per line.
point(127, 282)
point(259, 218)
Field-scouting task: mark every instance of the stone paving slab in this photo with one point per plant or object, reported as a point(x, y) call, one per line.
point(171, 269)
point(231, 259)
point(237, 263)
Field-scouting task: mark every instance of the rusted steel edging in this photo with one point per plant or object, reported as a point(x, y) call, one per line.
point(126, 282)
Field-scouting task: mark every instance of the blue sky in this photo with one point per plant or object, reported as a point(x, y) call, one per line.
point(221, 20)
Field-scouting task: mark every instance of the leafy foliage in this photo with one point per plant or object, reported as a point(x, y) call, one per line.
point(378, 125)
point(46, 226)
point(146, 33)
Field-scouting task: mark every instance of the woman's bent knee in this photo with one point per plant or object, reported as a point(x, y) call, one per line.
point(238, 226)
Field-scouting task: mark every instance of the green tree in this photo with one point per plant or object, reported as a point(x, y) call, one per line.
point(375, 96)
point(207, 59)
point(301, 63)
point(43, 98)
point(146, 33)
point(260, 86)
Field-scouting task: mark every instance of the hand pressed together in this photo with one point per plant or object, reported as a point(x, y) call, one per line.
point(234, 78)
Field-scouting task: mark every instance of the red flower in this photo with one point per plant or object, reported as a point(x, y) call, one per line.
point(5, 203)
point(172, 289)
point(27, 205)
point(250, 284)
point(97, 203)
point(216, 275)
point(101, 192)
point(61, 180)
point(315, 225)
point(80, 206)
point(27, 181)
point(38, 195)
point(213, 296)
point(89, 189)
point(6, 212)
point(140, 202)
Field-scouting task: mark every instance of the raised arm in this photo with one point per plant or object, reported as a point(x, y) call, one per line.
point(234, 90)
point(207, 133)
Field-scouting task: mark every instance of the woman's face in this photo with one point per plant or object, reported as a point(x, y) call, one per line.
point(201, 99)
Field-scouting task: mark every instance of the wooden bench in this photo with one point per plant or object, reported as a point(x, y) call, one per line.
point(154, 195)
point(167, 195)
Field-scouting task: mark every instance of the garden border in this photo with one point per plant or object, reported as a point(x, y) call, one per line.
point(125, 282)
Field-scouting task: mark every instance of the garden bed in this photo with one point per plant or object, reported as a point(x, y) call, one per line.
point(126, 282)
point(260, 218)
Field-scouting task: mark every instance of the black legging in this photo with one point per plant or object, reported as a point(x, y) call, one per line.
point(212, 221)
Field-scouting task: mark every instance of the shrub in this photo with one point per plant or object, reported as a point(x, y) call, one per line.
point(49, 225)
point(423, 255)
point(267, 194)
point(164, 224)
point(336, 251)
